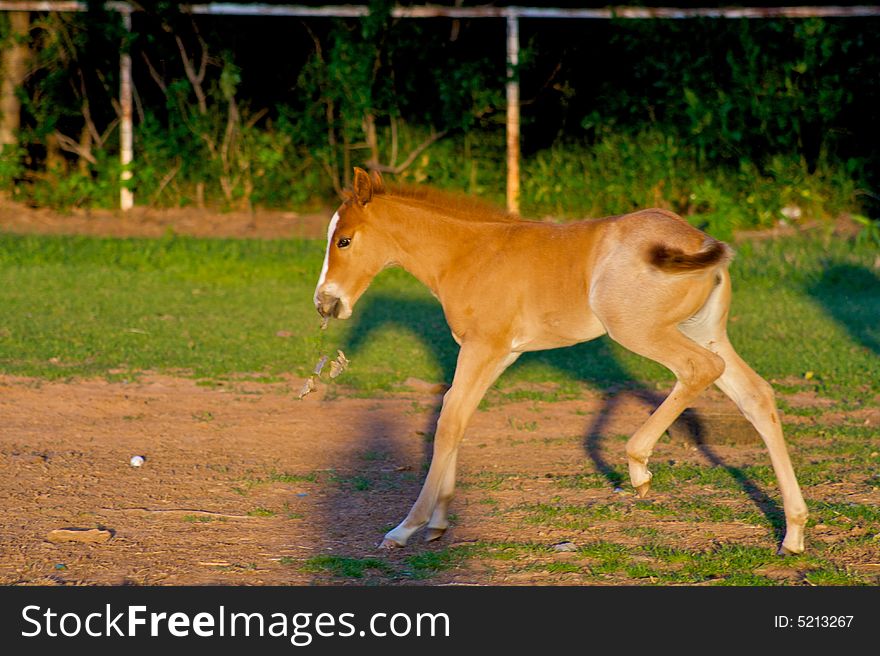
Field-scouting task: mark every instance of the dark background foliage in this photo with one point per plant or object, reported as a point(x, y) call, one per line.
point(728, 120)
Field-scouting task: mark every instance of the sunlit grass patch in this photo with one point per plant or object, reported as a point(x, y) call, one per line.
point(606, 557)
point(704, 509)
point(202, 519)
point(485, 480)
point(273, 477)
point(834, 576)
point(556, 568)
point(343, 566)
point(85, 306)
point(669, 477)
point(571, 516)
point(581, 481)
point(830, 512)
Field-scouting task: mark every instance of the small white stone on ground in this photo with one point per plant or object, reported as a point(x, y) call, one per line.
point(136, 461)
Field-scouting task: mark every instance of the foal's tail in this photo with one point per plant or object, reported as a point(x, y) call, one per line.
point(675, 260)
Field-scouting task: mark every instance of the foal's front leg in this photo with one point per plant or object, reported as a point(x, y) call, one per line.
point(479, 364)
point(439, 521)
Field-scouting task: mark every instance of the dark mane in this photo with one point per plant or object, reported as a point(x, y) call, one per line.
point(456, 203)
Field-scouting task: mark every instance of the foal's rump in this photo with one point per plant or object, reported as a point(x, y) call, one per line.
point(654, 268)
point(669, 243)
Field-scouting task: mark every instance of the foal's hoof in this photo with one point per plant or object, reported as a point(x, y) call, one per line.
point(432, 534)
point(643, 489)
point(792, 543)
point(388, 545)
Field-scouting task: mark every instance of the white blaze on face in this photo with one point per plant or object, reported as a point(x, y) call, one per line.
point(330, 230)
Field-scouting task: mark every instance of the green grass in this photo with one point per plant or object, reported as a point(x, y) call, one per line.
point(80, 306)
point(202, 519)
point(557, 568)
point(831, 512)
point(274, 477)
point(429, 563)
point(417, 566)
point(573, 517)
point(667, 477)
point(84, 307)
point(342, 566)
point(703, 509)
point(485, 480)
point(520, 425)
point(582, 481)
point(722, 564)
point(652, 562)
point(283, 477)
point(506, 551)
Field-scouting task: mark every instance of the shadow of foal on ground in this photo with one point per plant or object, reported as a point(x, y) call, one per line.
point(365, 484)
point(850, 295)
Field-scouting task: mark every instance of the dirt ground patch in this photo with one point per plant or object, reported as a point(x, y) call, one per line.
point(154, 222)
point(244, 484)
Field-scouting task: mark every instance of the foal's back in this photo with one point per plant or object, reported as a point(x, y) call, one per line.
point(546, 285)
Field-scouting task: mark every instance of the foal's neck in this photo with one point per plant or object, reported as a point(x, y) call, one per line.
point(429, 242)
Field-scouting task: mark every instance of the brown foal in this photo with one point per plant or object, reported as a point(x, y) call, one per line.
point(654, 283)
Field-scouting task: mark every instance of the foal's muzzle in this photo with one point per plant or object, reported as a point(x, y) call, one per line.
point(328, 305)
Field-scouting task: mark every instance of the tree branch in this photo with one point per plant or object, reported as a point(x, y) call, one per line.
point(103, 138)
point(252, 121)
point(166, 180)
point(157, 78)
point(72, 146)
point(418, 150)
point(195, 79)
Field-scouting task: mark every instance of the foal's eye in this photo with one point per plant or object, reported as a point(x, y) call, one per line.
point(342, 243)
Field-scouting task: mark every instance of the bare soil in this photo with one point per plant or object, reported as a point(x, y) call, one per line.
point(244, 483)
point(156, 222)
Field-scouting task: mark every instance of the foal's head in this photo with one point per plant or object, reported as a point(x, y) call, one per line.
point(356, 250)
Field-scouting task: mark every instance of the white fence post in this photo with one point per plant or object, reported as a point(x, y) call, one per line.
point(126, 133)
point(512, 112)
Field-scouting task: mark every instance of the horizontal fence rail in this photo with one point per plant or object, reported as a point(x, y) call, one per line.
point(438, 11)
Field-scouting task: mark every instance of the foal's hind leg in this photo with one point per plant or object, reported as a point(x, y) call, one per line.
point(695, 368)
point(754, 398)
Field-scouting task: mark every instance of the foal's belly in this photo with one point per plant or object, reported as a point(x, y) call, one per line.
point(555, 330)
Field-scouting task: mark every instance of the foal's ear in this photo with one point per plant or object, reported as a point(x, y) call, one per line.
point(363, 187)
point(378, 182)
